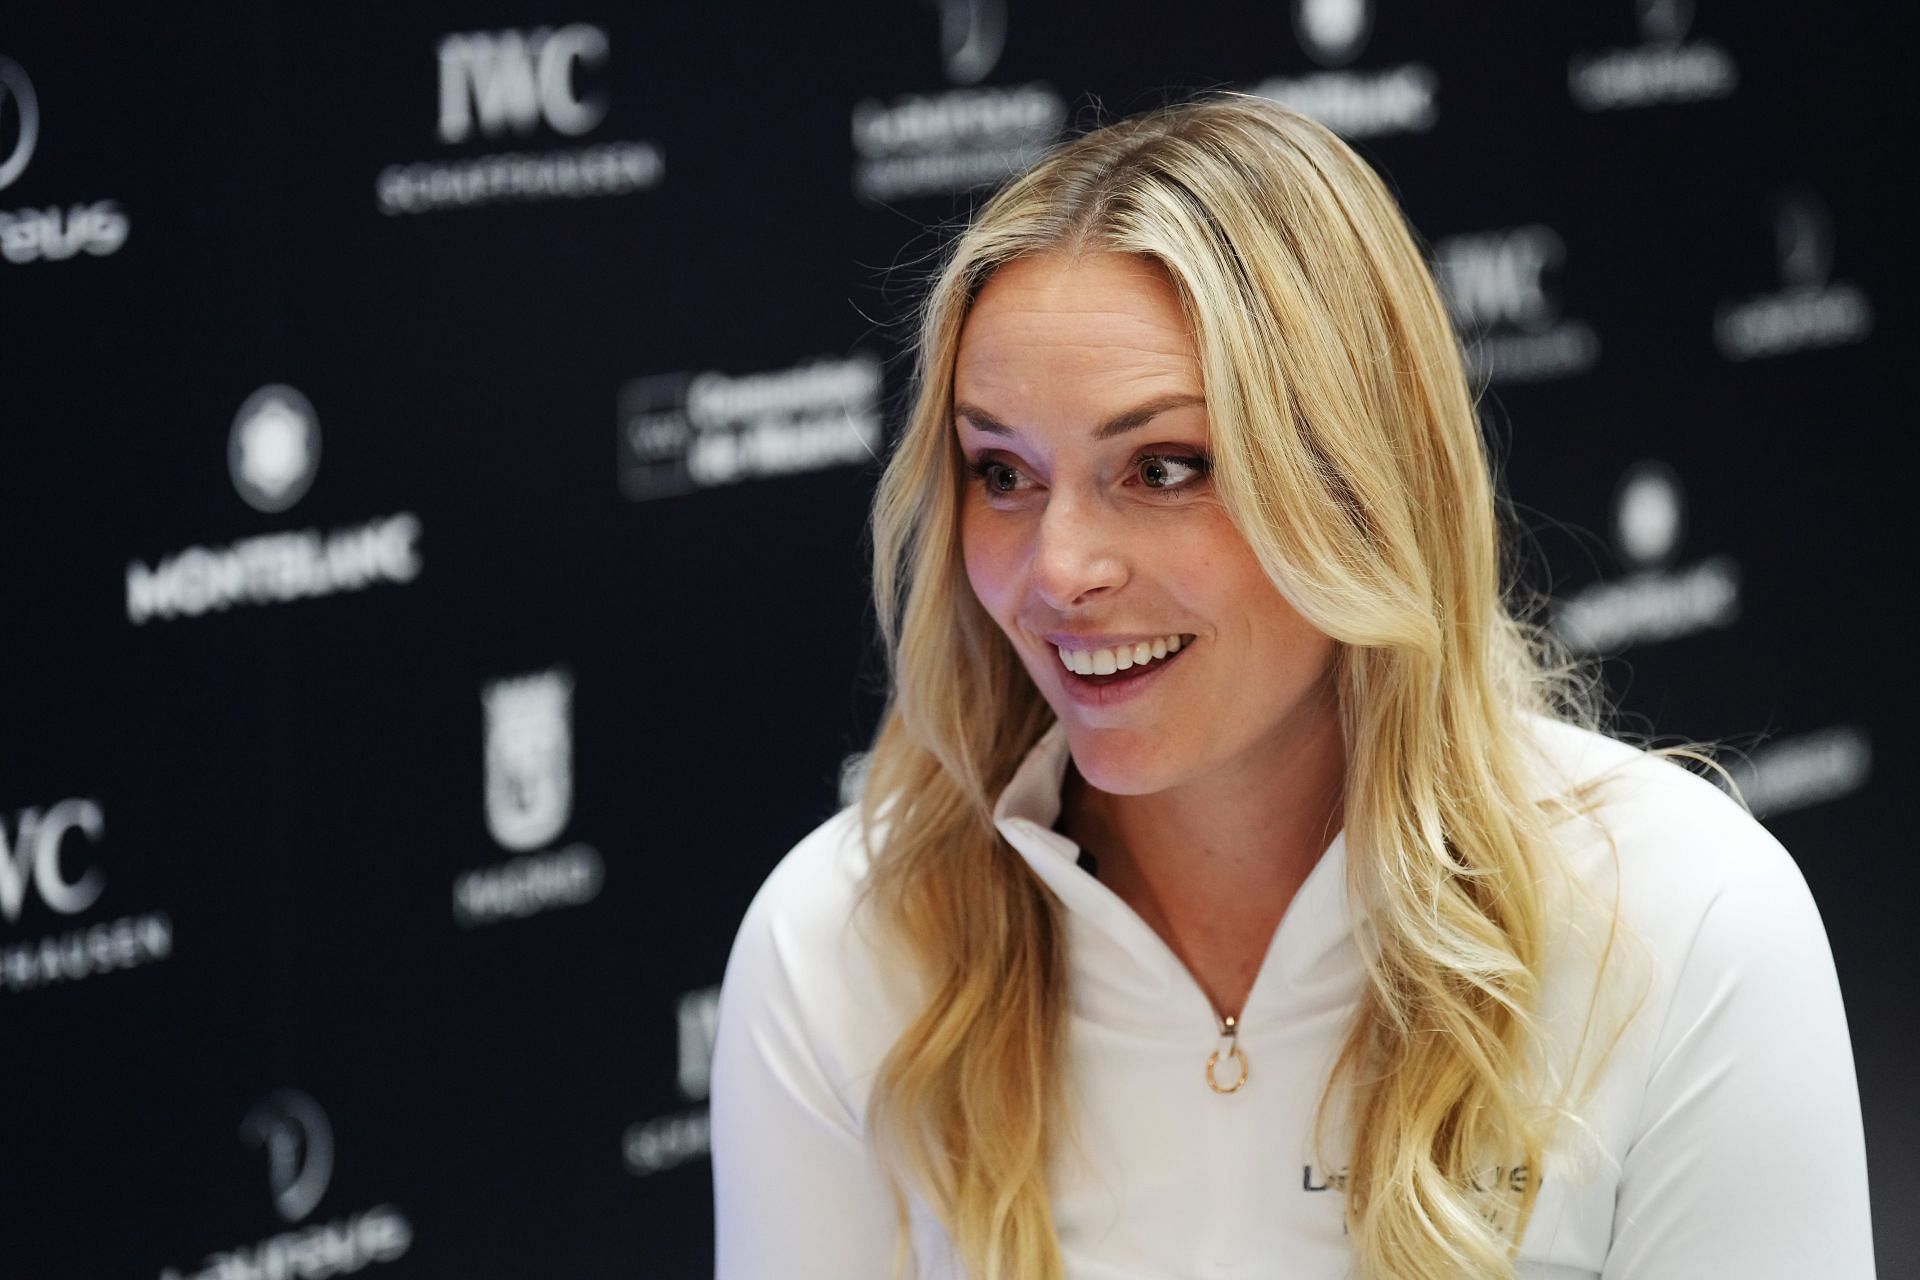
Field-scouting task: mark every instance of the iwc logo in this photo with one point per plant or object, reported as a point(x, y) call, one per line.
point(1498, 290)
point(49, 864)
point(1653, 601)
point(1803, 770)
point(1667, 68)
point(274, 448)
point(1365, 103)
point(1811, 310)
point(503, 85)
point(297, 1138)
point(528, 756)
point(51, 233)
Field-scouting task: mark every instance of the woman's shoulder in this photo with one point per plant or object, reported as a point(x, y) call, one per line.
point(1674, 830)
point(808, 972)
point(1717, 900)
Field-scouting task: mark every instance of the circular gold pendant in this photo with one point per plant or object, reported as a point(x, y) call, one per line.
point(1213, 1060)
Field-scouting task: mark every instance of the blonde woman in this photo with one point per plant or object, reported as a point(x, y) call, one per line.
point(1233, 891)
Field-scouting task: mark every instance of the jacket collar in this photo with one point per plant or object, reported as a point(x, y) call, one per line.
point(1124, 972)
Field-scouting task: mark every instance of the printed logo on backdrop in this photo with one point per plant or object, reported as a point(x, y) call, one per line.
point(1497, 287)
point(50, 875)
point(273, 454)
point(1655, 600)
point(297, 1138)
point(687, 431)
point(528, 781)
point(533, 83)
point(1810, 310)
point(1803, 770)
point(666, 1141)
point(1666, 67)
point(54, 232)
point(273, 450)
point(942, 143)
point(1365, 102)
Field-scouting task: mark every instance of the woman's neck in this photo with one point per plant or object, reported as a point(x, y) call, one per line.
point(1212, 864)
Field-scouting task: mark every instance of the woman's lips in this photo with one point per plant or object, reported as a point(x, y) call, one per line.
point(1101, 689)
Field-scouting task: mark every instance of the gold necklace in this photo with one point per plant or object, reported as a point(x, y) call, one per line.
point(1230, 1030)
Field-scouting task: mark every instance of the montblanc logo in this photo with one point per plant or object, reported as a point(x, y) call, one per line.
point(299, 1146)
point(20, 118)
point(1367, 103)
point(294, 1132)
point(1333, 31)
point(53, 233)
point(515, 83)
point(1811, 310)
point(1649, 515)
point(47, 857)
point(274, 448)
point(682, 432)
point(1497, 287)
point(972, 35)
point(1667, 68)
point(528, 756)
point(927, 144)
point(273, 452)
point(1653, 601)
point(665, 1141)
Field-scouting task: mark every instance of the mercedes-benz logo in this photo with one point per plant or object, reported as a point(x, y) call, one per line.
point(20, 116)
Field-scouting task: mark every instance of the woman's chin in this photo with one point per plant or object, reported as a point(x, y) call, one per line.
point(1122, 763)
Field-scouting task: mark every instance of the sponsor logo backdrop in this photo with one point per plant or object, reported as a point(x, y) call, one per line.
point(438, 442)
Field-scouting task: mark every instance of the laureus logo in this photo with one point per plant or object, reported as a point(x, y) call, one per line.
point(1665, 21)
point(1333, 32)
point(273, 449)
point(299, 1144)
point(973, 33)
point(1803, 240)
point(529, 758)
point(19, 121)
point(298, 1140)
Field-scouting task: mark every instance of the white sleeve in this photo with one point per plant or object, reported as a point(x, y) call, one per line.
point(1748, 1159)
point(797, 1195)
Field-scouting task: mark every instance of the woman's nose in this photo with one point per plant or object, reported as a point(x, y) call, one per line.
point(1078, 554)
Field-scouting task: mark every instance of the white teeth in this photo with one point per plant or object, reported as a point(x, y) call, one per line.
point(1105, 662)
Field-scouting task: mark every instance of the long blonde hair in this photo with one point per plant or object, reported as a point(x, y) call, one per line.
point(1347, 451)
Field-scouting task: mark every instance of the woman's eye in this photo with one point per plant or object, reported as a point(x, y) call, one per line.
point(998, 477)
point(1162, 471)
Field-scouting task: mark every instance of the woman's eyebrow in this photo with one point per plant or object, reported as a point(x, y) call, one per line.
point(1119, 424)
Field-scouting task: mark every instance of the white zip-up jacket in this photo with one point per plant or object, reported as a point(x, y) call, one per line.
point(1723, 1137)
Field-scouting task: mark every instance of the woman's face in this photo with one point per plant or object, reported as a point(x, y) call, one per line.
point(1090, 525)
